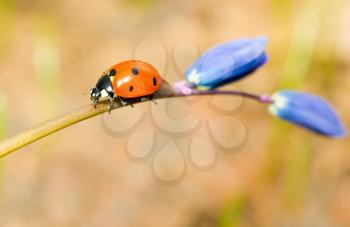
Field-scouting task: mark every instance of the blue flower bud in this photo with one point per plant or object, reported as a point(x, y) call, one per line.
point(309, 111)
point(227, 62)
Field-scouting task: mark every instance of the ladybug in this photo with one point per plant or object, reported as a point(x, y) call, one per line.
point(128, 80)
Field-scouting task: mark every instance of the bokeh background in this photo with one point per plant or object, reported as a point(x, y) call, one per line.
point(51, 54)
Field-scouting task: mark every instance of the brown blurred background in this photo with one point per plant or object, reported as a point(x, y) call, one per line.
point(52, 52)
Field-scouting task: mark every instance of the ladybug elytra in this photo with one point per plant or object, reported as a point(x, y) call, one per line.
point(127, 80)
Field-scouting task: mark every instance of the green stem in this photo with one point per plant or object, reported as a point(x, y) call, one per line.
point(44, 129)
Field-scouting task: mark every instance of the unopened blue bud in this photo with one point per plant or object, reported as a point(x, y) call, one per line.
point(227, 62)
point(307, 110)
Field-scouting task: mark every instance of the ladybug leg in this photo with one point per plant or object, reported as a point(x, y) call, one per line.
point(143, 99)
point(152, 99)
point(111, 100)
point(111, 97)
point(124, 102)
point(148, 98)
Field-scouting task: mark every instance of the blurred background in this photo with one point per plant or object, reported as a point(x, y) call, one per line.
point(201, 162)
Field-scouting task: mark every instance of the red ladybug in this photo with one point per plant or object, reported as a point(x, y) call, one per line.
point(127, 80)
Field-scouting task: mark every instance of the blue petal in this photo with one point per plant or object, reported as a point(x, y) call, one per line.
point(227, 62)
point(309, 111)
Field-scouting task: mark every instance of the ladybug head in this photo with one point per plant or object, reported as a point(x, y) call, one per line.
point(95, 94)
point(102, 89)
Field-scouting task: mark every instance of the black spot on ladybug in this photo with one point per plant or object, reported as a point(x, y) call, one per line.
point(112, 72)
point(154, 81)
point(131, 88)
point(135, 71)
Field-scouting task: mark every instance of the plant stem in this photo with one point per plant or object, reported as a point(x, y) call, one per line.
point(258, 98)
point(44, 129)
